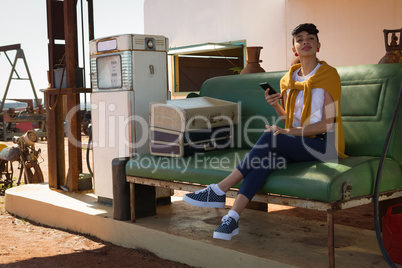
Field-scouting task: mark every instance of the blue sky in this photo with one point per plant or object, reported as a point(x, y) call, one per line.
point(24, 22)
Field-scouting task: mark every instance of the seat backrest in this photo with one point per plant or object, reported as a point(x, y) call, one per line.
point(369, 96)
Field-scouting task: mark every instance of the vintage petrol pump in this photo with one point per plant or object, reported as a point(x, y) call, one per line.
point(128, 72)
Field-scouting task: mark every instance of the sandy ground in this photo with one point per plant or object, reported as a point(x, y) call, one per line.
point(27, 244)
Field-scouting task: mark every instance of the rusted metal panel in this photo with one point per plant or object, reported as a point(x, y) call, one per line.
point(363, 200)
point(10, 47)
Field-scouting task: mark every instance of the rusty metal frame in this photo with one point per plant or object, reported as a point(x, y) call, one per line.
point(271, 198)
point(19, 55)
point(330, 208)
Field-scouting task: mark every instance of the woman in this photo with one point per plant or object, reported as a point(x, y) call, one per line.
point(313, 131)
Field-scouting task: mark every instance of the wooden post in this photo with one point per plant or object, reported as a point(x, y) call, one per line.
point(62, 25)
point(73, 100)
point(54, 116)
point(55, 141)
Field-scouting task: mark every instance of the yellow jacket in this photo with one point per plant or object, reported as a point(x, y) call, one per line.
point(327, 78)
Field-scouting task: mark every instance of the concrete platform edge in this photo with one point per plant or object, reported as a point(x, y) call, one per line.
point(127, 234)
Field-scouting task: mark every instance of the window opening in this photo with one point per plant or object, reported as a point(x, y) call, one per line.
point(193, 65)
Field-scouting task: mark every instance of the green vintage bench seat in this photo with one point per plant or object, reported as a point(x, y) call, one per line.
point(309, 180)
point(369, 94)
point(369, 97)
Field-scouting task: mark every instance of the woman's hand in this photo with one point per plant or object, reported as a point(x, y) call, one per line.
point(273, 99)
point(276, 130)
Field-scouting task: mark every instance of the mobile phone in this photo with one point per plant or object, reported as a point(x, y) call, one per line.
point(266, 86)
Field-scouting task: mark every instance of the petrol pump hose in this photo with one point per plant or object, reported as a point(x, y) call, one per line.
point(378, 180)
point(88, 148)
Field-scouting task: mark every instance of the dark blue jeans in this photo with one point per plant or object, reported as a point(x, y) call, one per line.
point(275, 152)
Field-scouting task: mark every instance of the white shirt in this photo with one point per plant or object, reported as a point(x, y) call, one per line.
point(317, 100)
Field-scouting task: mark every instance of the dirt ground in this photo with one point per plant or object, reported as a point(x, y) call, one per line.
point(27, 244)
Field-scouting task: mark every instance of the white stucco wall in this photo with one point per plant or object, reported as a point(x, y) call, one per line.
point(351, 32)
point(188, 22)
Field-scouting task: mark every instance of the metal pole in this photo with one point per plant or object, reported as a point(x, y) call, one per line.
point(8, 84)
point(11, 64)
point(83, 45)
point(22, 55)
point(91, 31)
point(83, 60)
point(331, 238)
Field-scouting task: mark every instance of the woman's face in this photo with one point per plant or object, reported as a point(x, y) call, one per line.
point(305, 44)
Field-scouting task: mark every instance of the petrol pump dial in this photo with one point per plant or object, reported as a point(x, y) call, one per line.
point(109, 72)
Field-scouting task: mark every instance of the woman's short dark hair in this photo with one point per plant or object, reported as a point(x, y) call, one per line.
point(308, 27)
